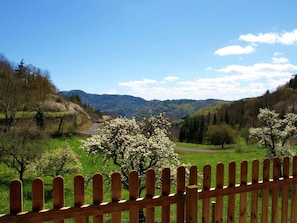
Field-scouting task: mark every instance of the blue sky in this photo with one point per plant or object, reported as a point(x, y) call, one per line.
point(157, 49)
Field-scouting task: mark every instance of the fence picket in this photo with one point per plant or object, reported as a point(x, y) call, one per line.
point(180, 189)
point(58, 195)
point(285, 191)
point(294, 192)
point(243, 196)
point(150, 192)
point(166, 183)
point(231, 198)
point(254, 196)
point(97, 195)
point(16, 197)
point(133, 195)
point(79, 196)
point(206, 187)
point(265, 192)
point(116, 185)
point(219, 199)
point(276, 175)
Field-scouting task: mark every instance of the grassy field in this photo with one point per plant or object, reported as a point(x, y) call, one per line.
point(235, 153)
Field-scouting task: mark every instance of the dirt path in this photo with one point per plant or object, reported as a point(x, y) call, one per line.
point(92, 130)
point(198, 150)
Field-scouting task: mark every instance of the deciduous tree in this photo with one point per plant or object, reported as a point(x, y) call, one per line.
point(132, 145)
point(274, 134)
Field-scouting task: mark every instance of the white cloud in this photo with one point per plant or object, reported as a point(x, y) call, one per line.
point(233, 82)
point(286, 38)
point(280, 60)
point(171, 78)
point(234, 50)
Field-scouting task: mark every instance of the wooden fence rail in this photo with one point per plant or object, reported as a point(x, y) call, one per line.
point(270, 199)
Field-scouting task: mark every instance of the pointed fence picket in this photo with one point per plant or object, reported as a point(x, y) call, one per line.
point(271, 199)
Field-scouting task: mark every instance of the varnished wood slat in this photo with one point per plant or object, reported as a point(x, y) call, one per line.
point(150, 192)
point(116, 185)
point(79, 195)
point(193, 178)
point(265, 192)
point(294, 192)
point(254, 196)
point(37, 195)
point(205, 187)
point(58, 195)
point(97, 195)
point(133, 195)
point(274, 205)
point(285, 191)
point(219, 199)
point(231, 198)
point(16, 197)
point(166, 183)
point(180, 189)
point(191, 204)
point(243, 196)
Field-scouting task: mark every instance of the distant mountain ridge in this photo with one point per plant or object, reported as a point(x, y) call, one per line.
point(130, 106)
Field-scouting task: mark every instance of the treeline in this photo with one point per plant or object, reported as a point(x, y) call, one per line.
point(239, 115)
point(22, 88)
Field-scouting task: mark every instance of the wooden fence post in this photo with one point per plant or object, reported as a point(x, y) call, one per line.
point(58, 195)
point(191, 204)
point(243, 196)
point(276, 175)
point(285, 190)
point(97, 195)
point(79, 195)
point(231, 198)
point(16, 197)
point(150, 192)
point(265, 192)
point(294, 192)
point(116, 186)
point(180, 189)
point(166, 184)
point(254, 196)
point(133, 195)
point(219, 199)
point(206, 187)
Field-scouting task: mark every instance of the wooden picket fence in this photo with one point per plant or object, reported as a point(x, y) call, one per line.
point(271, 199)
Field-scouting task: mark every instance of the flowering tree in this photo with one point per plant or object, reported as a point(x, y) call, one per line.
point(132, 145)
point(275, 133)
point(60, 161)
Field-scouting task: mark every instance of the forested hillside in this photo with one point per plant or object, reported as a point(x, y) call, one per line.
point(240, 115)
point(129, 106)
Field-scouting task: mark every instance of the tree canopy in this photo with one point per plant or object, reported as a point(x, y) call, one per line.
point(134, 145)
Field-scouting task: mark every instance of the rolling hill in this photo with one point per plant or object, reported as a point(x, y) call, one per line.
point(130, 106)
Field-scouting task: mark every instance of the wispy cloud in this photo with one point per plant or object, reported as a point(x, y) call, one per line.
point(234, 50)
point(231, 82)
point(286, 38)
point(171, 78)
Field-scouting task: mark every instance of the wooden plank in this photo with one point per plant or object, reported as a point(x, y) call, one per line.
point(243, 196)
point(79, 196)
point(254, 196)
point(191, 204)
point(294, 192)
point(274, 205)
point(16, 197)
point(205, 187)
point(285, 191)
point(166, 183)
point(150, 193)
point(97, 195)
point(37, 195)
point(58, 195)
point(219, 199)
point(180, 189)
point(133, 195)
point(116, 186)
point(231, 198)
point(265, 192)
point(193, 178)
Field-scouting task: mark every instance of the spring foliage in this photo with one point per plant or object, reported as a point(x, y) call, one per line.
point(133, 145)
point(275, 133)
